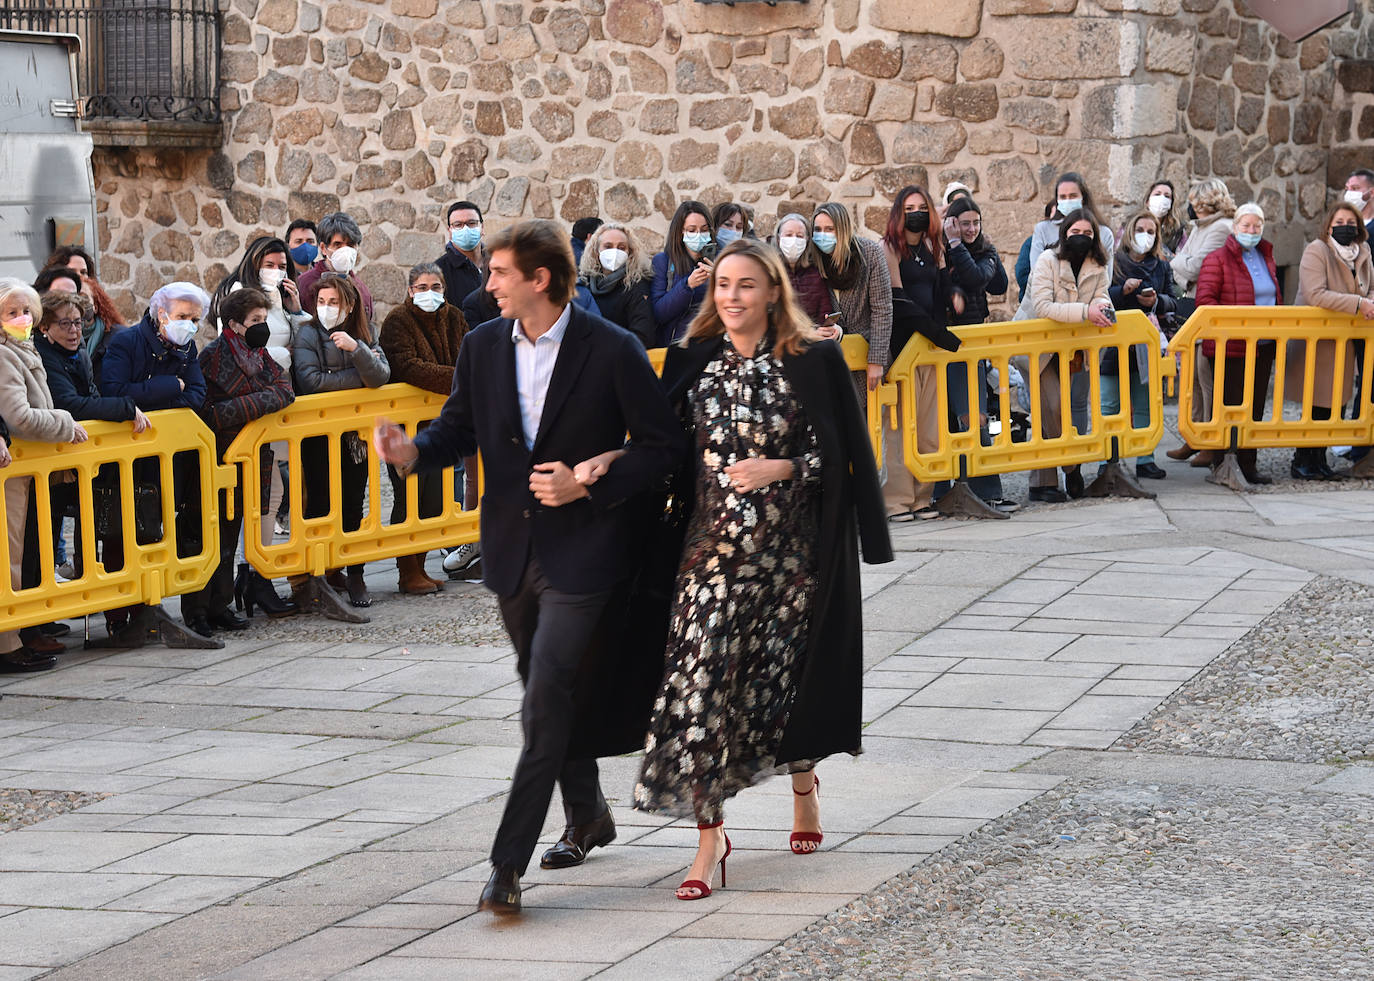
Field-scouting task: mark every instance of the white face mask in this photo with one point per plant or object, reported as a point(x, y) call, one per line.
point(429, 300)
point(1356, 198)
point(1160, 205)
point(343, 259)
point(1144, 242)
point(329, 317)
point(179, 331)
point(271, 278)
point(791, 247)
point(612, 259)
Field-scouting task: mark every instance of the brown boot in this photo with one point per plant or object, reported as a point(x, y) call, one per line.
point(1207, 458)
point(420, 565)
point(412, 578)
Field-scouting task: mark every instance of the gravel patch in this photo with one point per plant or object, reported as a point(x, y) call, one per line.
point(1119, 881)
point(1295, 688)
point(19, 808)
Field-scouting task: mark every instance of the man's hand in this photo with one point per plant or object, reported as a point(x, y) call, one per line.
point(393, 445)
point(554, 485)
point(590, 471)
point(875, 376)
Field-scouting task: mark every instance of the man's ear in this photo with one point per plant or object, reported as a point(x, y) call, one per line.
point(541, 278)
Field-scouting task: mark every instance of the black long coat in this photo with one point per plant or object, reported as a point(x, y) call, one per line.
point(827, 710)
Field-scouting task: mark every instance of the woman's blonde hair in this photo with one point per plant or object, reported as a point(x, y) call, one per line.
point(1212, 195)
point(11, 287)
point(791, 327)
point(636, 266)
point(1127, 244)
point(844, 236)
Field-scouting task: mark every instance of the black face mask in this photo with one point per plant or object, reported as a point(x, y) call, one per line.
point(1192, 215)
point(257, 335)
point(1078, 246)
point(1345, 234)
point(918, 222)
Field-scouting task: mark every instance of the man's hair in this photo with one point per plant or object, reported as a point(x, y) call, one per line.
point(339, 223)
point(300, 223)
point(540, 244)
point(584, 227)
point(240, 303)
point(1364, 174)
point(461, 206)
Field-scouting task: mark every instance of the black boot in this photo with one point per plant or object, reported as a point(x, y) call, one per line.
point(1303, 467)
point(240, 587)
point(260, 592)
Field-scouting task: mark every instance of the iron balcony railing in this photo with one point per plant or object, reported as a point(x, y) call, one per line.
point(140, 59)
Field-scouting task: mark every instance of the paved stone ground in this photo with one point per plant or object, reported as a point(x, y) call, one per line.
point(316, 801)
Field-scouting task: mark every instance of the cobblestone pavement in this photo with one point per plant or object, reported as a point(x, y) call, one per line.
point(21, 807)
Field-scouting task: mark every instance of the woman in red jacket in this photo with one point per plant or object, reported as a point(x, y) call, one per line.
point(1242, 273)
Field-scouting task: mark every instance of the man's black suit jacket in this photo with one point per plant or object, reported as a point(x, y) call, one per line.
point(602, 387)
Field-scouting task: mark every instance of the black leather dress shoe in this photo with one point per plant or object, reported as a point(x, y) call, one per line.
point(1073, 483)
point(1048, 495)
point(200, 625)
point(577, 841)
point(227, 621)
point(1150, 471)
point(501, 894)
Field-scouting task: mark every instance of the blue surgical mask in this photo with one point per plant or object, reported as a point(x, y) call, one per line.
point(1069, 206)
point(305, 254)
point(727, 235)
point(825, 241)
point(1248, 240)
point(696, 241)
point(465, 238)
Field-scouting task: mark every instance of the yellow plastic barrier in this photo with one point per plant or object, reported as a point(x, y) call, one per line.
point(315, 545)
point(1232, 425)
point(1034, 339)
point(151, 571)
point(656, 356)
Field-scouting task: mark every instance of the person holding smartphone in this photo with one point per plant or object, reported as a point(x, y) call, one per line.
point(681, 270)
point(801, 259)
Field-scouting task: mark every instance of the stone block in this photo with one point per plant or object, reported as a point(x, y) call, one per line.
point(756, 162)
point(369, 67)
point(981, 59)
point(238, 66)
point(253, 120)
point(276, 89)
point(584, 198)
point(717, 113)
point(372, 176)
point(798, 120)
point(1250, 113)
point(1161, 8)
point(1355, 75)
point(825, 160)
point(289, 50)
point(875, 59)
point(750, 19)
point(520, 149)
point(293, 167)
point(950, 18)
point(846, 14)
point(1011, 8)
point(1169, 48)
point(553, 121)
point(624, 203)
point(892, 102)
point(848, 94)
point(634, 21)
point(930, 58)
point(984, 141)
point(1010, 179)
point(278, 16)
point(518, 42)
point(760, 78)
point(637, 160)
point(720, 54)
point(1080, 47)
point(1226, 156)
point(1285, 82)
point(1216, 58)
point(685, 156)
point(646, 75)
point(398, 130)
point(420, 9)
point(928, 142)
point(418, 172)
point(607, 125)
point(1130, 109)
point(300, 126)
point(807, 68)
point(865, 145)
point(467, 161)
point(569, 30)
point(1036, 115)
point(973, 102)
point(174, 246)
point(1202, 107)
point(510, 199)
point(693, 75)
point(890, 180)
point(491, 76)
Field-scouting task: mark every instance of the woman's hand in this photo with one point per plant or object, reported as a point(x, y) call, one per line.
point(79, 434)
point(1146, 300)
point(956, 301)
point(1097, 313)
point(1367, 308)
point(756, 472)
point(1130, 286)
point(392, 444)
point(830, 332)
point(5, 458)
point(700, 274)
point(344, 341)
point(141, 422)
point(590, 471)
point(290, 296)
point(875, 376)
point(951, 228)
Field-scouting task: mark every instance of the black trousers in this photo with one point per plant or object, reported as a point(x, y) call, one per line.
point(1233, 392)
point(353, 483)
point(551, 632)
point(215, 596)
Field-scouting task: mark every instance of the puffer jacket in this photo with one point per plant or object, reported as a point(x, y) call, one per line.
point(72, 384)
point(140, 365)
point(320, 366)
point(26, 405)
point(1225, 281)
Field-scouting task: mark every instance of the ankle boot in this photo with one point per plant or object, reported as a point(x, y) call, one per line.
point(240, 586)
point(260, 592)
point(1249, 466)
point(420, 566)
point(411, 576)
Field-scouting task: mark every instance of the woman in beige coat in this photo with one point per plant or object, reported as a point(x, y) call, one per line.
point(1069, 284)
point(1336, 274)
point(27, 409)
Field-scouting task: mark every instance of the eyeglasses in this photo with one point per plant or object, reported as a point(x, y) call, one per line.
point(70, 323)
point(474, 223)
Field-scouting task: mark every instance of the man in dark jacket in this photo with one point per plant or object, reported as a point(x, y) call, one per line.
point(539, 392)
point(463, 259)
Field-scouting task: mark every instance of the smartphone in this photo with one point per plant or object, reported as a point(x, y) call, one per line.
point(1147, 291)
point(1110, 314)
point(831, 319)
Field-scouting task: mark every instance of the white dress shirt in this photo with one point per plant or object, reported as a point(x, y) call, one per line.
point(534, 361)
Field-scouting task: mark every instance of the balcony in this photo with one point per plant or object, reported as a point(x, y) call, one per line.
point(148, 71)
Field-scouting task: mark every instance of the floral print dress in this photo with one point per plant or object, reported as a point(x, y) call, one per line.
point(744, 591)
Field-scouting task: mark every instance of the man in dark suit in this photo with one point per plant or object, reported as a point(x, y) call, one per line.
point(539, 391)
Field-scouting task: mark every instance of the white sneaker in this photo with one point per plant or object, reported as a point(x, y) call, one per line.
point(281, 527)
point(464, 561)
point(65, 572)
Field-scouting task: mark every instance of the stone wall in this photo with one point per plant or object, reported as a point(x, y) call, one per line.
point(391, 109)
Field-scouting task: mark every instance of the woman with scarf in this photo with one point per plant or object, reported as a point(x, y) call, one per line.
point(855, 270)
point(615, 269)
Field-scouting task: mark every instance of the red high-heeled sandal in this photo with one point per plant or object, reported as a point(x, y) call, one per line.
point(704, 888)
point(800, 839)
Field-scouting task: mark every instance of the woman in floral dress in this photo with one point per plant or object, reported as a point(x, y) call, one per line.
point(764, 656)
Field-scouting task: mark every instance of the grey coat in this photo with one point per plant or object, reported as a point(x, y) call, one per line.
point(319, 365)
